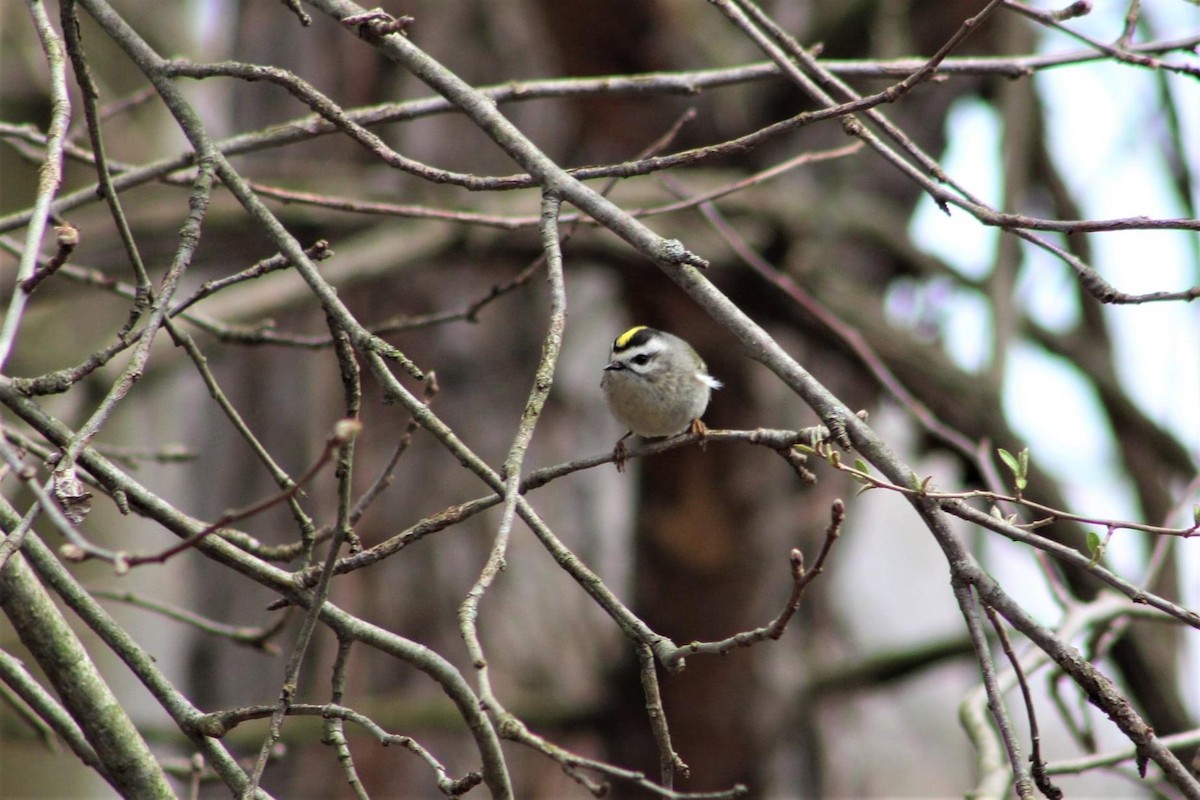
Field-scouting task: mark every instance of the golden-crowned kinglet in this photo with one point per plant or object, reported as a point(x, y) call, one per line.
point(655, 385)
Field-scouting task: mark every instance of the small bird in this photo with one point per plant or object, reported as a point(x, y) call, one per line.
point(655, 385)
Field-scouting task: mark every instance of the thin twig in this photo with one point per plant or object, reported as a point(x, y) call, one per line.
point(683, 83)
point(335, 733)
point(341, 443)
point(781, 47)
point(669, 761)
point(1114, 52)
point(49, 174)
point(89, 92)
point(189, 239)
point(543, 380)
point(778, 440)
point(1035, 738)
point(258, 637)
point(1181, 742)
point(850, 337)
point(67, 237)
point(44, 504)
point(318, 251)
point(343, 432)
point(970, 605)
point(1051, 515)
point(801, 577)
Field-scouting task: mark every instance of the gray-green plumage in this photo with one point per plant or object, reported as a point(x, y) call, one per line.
point(655, 383)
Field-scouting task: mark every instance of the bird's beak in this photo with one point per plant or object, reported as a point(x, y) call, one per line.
point(613, 366)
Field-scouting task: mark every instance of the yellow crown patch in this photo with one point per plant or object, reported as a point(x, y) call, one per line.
point(623, 339)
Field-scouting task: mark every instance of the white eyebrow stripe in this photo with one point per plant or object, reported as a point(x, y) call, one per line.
point(651, 348)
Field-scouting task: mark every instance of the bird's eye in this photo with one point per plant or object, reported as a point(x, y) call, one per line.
point(641, 359)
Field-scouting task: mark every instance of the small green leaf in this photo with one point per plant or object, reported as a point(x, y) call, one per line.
point(1018, 464)
point(1095, 548)
point(925, 484)
point(1196, 514)
point(862, 466)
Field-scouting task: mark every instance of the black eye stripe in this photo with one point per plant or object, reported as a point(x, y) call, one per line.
point(641, 359)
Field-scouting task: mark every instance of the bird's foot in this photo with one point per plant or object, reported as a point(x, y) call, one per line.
point(619, 454)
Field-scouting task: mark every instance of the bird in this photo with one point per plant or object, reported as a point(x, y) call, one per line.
point(655, 385)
